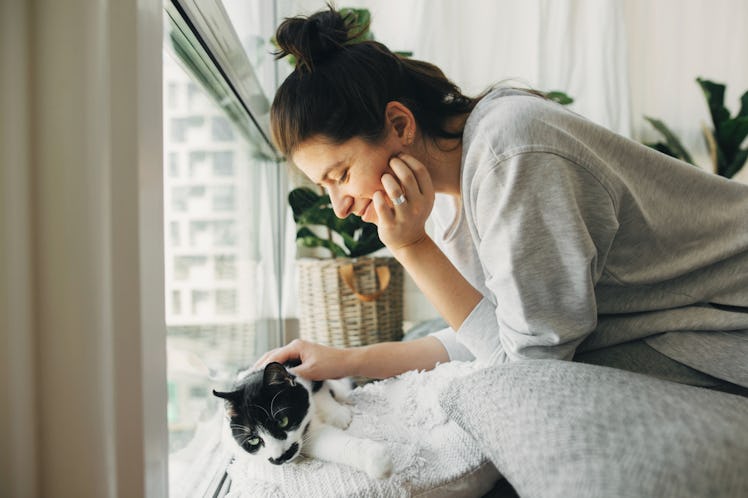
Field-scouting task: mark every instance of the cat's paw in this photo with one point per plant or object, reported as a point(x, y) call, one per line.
point(341, 389)
point(339, 417)
point(377, 461)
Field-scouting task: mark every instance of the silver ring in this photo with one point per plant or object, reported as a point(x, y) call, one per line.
point(400, 199)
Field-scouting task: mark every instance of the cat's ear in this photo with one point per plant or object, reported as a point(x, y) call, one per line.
point(232, 398)
point(276, 375)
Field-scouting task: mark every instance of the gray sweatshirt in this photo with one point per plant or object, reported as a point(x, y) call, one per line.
point(581, 239)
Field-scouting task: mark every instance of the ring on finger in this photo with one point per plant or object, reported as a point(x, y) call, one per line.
point(400, 199)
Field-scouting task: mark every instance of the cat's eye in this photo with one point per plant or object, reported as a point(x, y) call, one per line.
point(254, 441)
point(283, 422)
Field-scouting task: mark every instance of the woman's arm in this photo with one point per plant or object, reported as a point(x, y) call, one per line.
point(377, 361)
point(387, 359)
point(444, 286)
point(402, 229)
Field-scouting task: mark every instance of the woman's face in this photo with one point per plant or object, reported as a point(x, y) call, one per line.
point(350, 172)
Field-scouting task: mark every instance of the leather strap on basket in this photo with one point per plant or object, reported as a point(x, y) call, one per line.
point(383, 274)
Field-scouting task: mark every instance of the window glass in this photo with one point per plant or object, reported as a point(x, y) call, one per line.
point(254, 23)
point(223, 163)
point(222, 130)
point(222, 205)
point(221, 283)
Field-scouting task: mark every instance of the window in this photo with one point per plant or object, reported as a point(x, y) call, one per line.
point(222, 189)
point(222, 131)
point(198, 167)
point(223, 163)
point(225, 301)
point(174, 232)
point(224, 198)
point(173, 165)
point(176, 302)
point(225, 267)
point(182, 126)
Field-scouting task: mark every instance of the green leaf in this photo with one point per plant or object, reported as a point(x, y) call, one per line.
point(736, 165)
point(307, 238)
point(559, 97)
point(743, 105)
point(317, 214)
point(672, 143)
point(350, 242)
point(715, 98)
point(368, 241)
point(662, 147)
point(359, 28)
point(731, 136)
point(302, 199)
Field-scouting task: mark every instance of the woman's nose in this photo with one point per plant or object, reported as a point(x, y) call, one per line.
point(341, 204)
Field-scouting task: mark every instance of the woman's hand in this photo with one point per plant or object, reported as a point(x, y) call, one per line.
point(401, 221)
point(318, 362)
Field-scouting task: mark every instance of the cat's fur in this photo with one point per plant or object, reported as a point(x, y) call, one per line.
point(275, 415)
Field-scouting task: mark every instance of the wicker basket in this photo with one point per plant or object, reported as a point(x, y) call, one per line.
point(350, 302)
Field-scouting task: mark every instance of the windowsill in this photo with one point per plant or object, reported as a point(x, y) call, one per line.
point(199, 469)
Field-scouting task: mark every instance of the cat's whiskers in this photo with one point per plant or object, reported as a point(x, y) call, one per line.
point(241, 428)
point(273, 400)
point(275, 414)
point(264, 410)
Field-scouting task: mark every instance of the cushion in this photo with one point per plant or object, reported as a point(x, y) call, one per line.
point(559, 429)
point(433, 457)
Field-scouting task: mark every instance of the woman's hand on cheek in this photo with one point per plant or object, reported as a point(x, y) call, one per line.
point(404, 224)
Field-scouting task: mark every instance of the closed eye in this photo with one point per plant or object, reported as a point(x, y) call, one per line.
point(344, 176)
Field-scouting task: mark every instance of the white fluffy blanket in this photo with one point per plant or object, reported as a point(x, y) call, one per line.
point(432, 456)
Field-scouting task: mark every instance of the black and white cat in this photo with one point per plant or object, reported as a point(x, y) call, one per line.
point(275, 415)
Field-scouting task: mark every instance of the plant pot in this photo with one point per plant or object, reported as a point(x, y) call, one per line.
point(350, 302)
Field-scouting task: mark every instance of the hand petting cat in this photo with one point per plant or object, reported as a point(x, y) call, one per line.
point(318, 362)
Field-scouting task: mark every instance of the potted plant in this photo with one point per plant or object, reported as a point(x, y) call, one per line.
point(723, 139)
point(352, 298)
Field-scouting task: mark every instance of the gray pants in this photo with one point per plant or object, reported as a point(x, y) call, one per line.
point(640, 357)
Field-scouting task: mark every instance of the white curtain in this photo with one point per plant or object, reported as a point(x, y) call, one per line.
point(576, 46)
point(82, 356)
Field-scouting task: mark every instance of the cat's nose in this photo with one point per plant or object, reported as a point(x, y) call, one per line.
point(289, 454)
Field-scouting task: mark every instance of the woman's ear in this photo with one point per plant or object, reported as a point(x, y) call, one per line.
point(401, 121)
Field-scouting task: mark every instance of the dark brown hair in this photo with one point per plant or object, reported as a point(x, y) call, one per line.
point(340, 87)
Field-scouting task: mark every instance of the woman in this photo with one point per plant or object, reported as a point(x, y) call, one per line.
point(556, 238)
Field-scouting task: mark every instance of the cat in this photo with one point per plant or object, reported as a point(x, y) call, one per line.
point(275, 416)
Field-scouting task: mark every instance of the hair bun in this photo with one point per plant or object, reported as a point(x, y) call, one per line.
point(311, 40)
